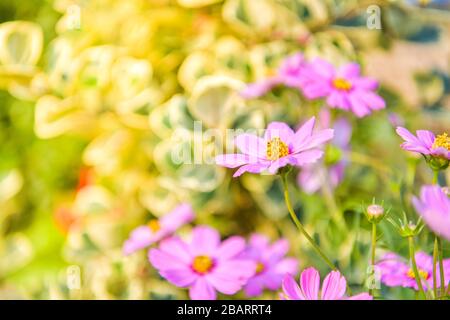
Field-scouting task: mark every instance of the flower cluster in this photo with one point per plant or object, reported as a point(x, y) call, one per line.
point(112, 119)
point(343, 88)
point(207, 265)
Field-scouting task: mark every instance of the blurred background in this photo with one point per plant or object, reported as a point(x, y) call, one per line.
point(92, 91)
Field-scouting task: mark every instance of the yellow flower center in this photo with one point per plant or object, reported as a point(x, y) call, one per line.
point(442, 141)
point(342, 84)
point(276, 149)
point(259, 267)
point(154, 225)
point(202, 264)
point(422, 274)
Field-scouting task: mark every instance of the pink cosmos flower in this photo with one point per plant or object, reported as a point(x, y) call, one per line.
point(313, 176)
point(426, 143)
point(333, 287)
point(434, 207)
point(288, 73)
point(397, 272)
point(344, 88)
point(156, 230)
point(280, 146)
point(271, 265)
point(204, 264)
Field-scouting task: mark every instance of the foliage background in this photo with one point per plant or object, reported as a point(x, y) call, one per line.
point(87, 117)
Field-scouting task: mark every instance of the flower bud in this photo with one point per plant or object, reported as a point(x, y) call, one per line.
point(438, 163)
point(375, 213)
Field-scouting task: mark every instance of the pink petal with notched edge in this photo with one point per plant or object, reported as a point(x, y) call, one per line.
point(303, 134)
point(334, 286)
point(176, 247)
point(280, 130)
point(291, 289)
point(205, 241)
point(426, 137)
point(310, 283)
point(358, 106)
point(316, 140)
point(412, 143)
point(165, 261)
point(202, 290)
point(372, 100)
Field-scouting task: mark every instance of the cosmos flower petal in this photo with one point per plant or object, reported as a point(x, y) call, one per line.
point(252, 168)
point(305, 131)
point(334, 286)
point(361, 296)
point(406, 135)
point(232, 160)
point(426, 137)
point(205, 240)
point(164, 261)
point(310, 283)
point(251, 145)
point(316, 140)
point(253, 288)
point(279, 130)
point(231, 247)
point(275, 165)
point(202, 290)
point(349, 70)
point(180, 278)
point(176, 247)
point(434, 207)
point(287, 265)
point(140, 238)
point(260, 88)
point(306, 157)
point(178, 217)
point(291, 289)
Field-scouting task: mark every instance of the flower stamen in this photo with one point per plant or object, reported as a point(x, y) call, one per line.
point(442, 141)
point(202, 264)
point(260, 267)
point(276, 149)
point(154, 225)
point(422, 274)
point(342, 84)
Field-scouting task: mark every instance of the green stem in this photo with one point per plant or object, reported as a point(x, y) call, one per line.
point(374, 245)
point(441, 266)
point(435, 176)
point(332, 206)
point(300, 226)
point(435, 258)
point(412, 256)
